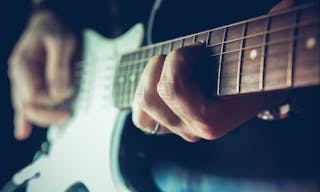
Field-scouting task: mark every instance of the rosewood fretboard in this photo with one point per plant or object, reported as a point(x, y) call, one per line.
point(271, 52)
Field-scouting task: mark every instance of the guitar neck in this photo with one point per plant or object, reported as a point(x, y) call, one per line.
point(267, 53)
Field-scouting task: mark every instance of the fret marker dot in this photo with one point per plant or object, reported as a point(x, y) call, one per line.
point(121, 80)
point(253, 54)
point(132, 77)
point(310, 42)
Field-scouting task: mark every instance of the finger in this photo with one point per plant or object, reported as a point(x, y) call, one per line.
point(22, 128)
point(44, 117)
point(140, 118)
point(148, 100)
point(179, 90)
point(25, 73)
point(59, 55)
point(25, 76)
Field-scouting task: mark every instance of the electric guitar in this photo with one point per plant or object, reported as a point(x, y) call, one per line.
point(274, 52)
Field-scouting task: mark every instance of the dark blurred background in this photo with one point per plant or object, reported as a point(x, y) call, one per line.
point(13, 154)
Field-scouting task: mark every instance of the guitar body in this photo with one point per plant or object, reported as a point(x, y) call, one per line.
point(82, 149)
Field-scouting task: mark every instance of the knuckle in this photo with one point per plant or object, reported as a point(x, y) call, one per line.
point(145, 95)
point(144, 100)
point(169, 90)
point(177, 56)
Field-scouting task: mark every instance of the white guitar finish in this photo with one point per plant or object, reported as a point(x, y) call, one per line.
point(81, 148)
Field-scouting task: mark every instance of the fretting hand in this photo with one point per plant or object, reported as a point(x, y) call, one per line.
point(168, 94)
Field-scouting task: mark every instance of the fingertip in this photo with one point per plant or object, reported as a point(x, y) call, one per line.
point(190, 138)
point(22, 129)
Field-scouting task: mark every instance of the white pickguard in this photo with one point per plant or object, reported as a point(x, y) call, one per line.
point(80, 148)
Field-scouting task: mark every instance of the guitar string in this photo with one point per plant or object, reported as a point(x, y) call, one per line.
point(139, 71)
point(130, 84)
point(127, 68)
point(131, 87)
point(286, 40)
point(79, 67)
point(226, 52)
point(268, 32)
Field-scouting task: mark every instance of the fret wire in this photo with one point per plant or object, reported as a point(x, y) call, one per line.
point(170, 47)
point(182, 41)
point(152, 52)
point(137, 57)
point(262, 58)
point(115, 91)
point(126, 81)
point(220, 61)
point(133, 78)
point(161, 49)
point(208, 38)
point(139, 67)
point(125, 76)
point(292, 46)
point(244, 30)
point(122, 81)
point(194, 38)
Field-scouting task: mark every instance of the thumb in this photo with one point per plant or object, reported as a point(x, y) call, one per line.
point(59, 54)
